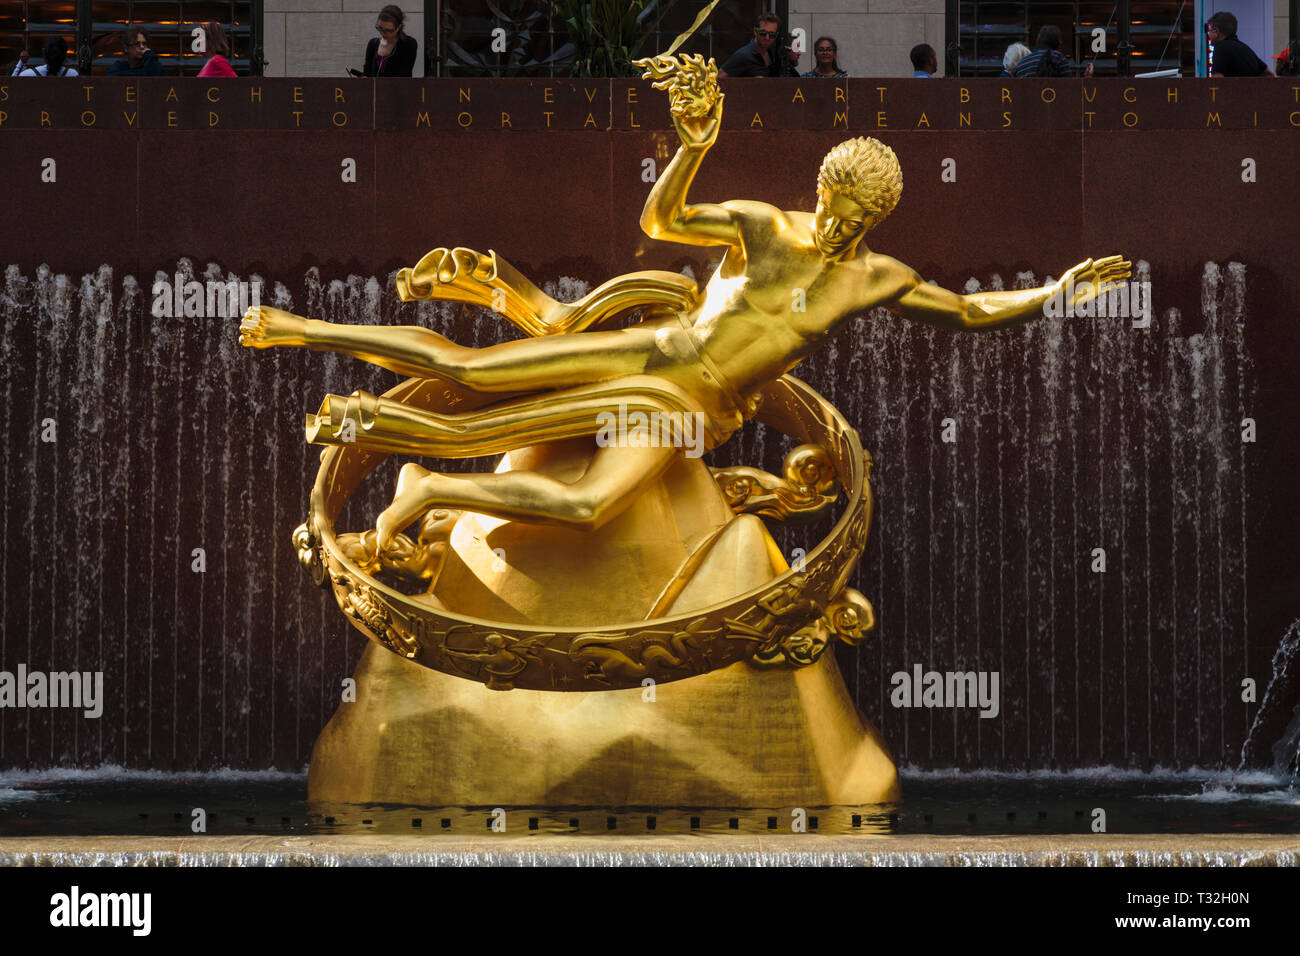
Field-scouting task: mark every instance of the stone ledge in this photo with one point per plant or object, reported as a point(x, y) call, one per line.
point(549, 850)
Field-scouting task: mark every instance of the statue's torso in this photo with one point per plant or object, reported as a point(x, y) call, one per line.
point(775, 299)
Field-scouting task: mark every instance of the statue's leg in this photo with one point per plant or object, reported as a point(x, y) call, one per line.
point(523, 365)
point(380, 424)
point(614, 478)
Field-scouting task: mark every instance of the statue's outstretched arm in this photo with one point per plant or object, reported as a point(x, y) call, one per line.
point(925, 302)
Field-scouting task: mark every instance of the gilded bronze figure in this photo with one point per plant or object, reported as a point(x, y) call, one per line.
point(514, 570)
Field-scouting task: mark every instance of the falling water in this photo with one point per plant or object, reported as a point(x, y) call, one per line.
point(1070, 435)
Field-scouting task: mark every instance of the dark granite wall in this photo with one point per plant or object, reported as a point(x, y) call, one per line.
point(1070, 434)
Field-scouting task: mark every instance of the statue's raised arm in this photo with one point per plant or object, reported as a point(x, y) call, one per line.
point(695, 103)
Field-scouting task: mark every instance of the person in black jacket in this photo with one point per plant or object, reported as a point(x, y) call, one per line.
point(392, 53)
point(140, 60)
point(1231, 56)
point(764, 55)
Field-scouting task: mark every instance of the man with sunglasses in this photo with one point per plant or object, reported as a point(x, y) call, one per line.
point(140, 60)
point(763, 55)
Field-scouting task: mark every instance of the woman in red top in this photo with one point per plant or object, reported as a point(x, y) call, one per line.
point(219, 49)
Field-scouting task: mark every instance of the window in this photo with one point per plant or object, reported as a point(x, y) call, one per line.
point(1160, 32)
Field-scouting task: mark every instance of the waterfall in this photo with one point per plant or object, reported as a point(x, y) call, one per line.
point(1070, 435)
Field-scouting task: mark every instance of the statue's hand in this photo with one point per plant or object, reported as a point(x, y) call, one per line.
point(693, 96)
point(1092, 277)
point(700, 132)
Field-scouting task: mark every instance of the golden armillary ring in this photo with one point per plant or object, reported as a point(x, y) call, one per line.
point(788, 621)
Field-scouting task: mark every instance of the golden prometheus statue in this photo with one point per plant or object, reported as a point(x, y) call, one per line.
point(602, 554)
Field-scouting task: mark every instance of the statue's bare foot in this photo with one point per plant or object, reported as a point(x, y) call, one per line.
point(415, 490)
point(264, 327)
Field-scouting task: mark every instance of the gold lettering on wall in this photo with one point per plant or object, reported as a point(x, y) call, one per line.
point(465, 120)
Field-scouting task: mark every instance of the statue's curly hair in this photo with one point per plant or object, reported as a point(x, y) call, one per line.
point(867, 172)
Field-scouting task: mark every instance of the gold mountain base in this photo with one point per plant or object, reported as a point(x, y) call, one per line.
point(736, 737)
point(739, 736)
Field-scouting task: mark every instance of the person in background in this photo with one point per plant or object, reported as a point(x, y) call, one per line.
point(1046, 59)
point(827, 59)
point(763, 55)
point(218, 49)
point(392, 53)
point(1284, 67)
point(1011, 59)
point(56, 51)
point(925, 64)
point(1231, 56)
point(140, 60)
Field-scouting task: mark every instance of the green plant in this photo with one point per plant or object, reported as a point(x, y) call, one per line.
point(607, 35)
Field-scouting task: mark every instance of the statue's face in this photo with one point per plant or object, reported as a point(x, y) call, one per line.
point(838, 223)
